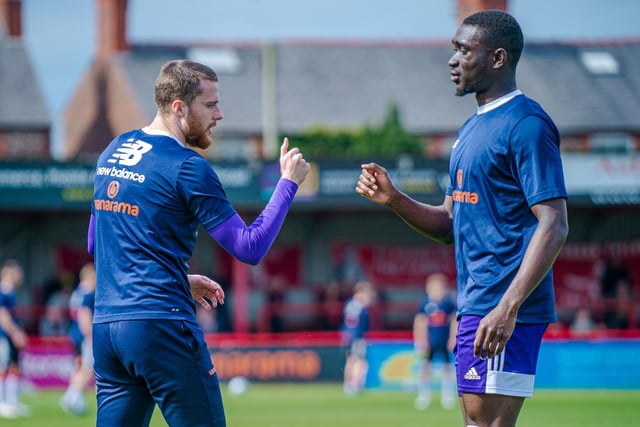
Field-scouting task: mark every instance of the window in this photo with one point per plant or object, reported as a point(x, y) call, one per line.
point(600, 62)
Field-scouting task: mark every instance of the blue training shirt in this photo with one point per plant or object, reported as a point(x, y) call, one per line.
point(505, 160)
point(355, 323)
point(80, 298)
point(8, 301)
point(151, 193)
point(439, 317)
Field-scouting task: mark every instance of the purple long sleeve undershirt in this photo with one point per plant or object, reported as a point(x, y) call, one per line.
point(250, 244)
point(90, 235)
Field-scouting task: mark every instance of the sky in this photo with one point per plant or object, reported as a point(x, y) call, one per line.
point(60, 35)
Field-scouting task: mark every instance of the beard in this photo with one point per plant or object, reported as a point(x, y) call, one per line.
point(462, 91)
point(195, 135)
point(465, 89)
point(473, 83)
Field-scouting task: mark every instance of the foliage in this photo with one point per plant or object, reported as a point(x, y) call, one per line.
point(388, 140)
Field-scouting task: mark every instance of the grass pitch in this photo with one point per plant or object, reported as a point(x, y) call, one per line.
point(321, 405)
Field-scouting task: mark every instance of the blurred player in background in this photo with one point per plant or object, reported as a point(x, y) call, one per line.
point(434, 328)
point(505, 212)
point(152, 191)
point(81, 306)
point(12, 339)
point(355, 325)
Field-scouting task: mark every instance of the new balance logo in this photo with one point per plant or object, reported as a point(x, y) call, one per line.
point(130, 152)
point(472, 374)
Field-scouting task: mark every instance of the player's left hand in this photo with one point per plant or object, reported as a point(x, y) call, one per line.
point(493, 332)
point(375, 184)
point(206, 292)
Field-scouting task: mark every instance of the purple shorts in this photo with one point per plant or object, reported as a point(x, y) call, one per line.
point(511, 373)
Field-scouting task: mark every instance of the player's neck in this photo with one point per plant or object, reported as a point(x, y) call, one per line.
point(497, 90)
point(165, 124)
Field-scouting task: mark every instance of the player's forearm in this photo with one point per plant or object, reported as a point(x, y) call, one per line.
point(452, 334)
point(250, 244)
point(7, 324)
point(85, 320)
point(431, 221)
point(542, 251)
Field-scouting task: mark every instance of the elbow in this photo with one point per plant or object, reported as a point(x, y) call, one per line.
point(559, 224)
point(248, 255)
point(254, 260)
point(559, 230)
point(447, 240)
point(250, 258)
point(563, 233)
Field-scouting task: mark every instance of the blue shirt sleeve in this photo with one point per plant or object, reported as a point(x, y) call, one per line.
point(202, 191)
point(536, 160)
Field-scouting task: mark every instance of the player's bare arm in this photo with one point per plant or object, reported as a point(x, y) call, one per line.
point(496, 328)
point(206, 292)
point(16, 334)
point(85, 321)
point(420, 342)
point(451, 344)
point(433, 222)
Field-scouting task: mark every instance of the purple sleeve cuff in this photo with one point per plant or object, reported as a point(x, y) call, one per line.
point(250, 244)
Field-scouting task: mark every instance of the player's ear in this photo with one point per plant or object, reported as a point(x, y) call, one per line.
point(179, 107)
point(499, 58)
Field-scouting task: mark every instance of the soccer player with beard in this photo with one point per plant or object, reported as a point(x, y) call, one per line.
point(505, 212)
point(151, 193)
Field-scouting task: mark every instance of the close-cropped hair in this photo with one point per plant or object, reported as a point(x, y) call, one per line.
point(499, 30)
point(180, 79)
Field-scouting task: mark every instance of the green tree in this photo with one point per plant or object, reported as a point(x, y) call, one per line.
point(386, 141)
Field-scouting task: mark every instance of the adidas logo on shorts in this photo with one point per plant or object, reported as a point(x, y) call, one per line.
point(472, 374)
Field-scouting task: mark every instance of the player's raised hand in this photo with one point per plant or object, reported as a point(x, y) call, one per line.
point(206, 292)
point(374, 184)
point(293, 166)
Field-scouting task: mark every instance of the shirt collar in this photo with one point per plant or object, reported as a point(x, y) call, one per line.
point(498, 102)
point(150, 131)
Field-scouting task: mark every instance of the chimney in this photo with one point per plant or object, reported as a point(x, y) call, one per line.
point(469, 7)
point(11, 17)
point(112, 27)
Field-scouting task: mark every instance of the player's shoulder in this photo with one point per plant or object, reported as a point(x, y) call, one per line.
point(424, 301)
point(529, 117)
point(196, 166)
point(529, 107)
